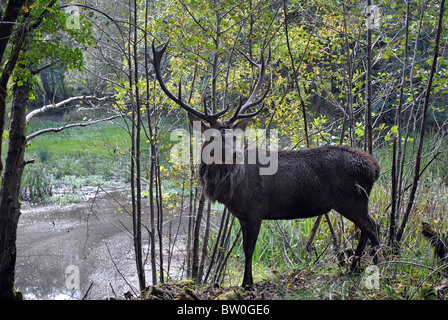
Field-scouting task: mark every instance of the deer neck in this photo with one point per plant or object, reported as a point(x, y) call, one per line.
point(220, 181)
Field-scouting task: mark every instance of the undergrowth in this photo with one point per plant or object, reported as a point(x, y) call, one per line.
point(310, 284)
point(68, 161)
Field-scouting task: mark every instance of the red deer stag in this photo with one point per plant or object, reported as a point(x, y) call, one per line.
point(307, 182)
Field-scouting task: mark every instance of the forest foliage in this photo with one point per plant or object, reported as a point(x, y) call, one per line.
point(333, 80)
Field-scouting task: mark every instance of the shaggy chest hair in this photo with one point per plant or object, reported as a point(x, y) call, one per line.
point(220, 180)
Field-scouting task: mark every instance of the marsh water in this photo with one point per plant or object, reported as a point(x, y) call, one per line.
point(86, 245)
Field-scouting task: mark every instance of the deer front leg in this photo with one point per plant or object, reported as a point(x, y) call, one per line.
point(250, 229)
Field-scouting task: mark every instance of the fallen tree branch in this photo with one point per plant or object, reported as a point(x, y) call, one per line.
point(160, 293)
point(415, 264)
point(60, 104)
point(426, 278)
point(68, 126)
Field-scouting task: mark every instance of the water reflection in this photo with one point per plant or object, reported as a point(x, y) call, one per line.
point(93, 236)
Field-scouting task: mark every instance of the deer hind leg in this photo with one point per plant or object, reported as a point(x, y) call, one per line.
point(358, 214)
point(358, 253)
point(371, 233)
point(250, 234)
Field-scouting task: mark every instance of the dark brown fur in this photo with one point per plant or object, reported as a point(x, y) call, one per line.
point(309, 182)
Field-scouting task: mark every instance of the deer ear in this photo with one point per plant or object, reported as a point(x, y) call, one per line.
point(242, 124)
point(197, 123)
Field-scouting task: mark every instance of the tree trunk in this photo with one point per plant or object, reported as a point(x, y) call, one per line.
point(8, 19)
point(10, 191)
point(418, 157)
point(197, 229)
point(368, 143)
point(137, 215)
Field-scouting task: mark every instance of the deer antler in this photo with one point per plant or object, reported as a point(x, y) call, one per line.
point(261, 66)
point(155, 57)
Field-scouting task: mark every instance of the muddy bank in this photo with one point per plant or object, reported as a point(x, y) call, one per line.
point(94, 236)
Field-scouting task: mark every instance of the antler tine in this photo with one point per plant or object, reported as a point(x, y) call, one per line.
point(155, 57)
point(261, 69)
point(250, 115)
point(212, 118)
point(250, 102)
point(237, 111)
point(220, 113)
point(205, 108)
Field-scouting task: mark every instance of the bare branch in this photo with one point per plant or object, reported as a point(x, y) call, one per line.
point(47, 107)
point(73, 125)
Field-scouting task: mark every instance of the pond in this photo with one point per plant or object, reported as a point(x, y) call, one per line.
point(85, 245)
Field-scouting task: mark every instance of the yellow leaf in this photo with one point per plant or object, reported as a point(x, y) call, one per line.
point(289, 283)
point(24, 8)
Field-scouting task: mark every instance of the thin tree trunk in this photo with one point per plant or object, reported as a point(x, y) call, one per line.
point(393, 213)
point(397, 152)
point(205, 244)
point(138, 213)
point(400, 169)
point(135, 142)
point(296, 81)
point(159, 216)
point(217, 241)
point(153, 155)
point(418, 157)
point(368, 143)
point(196, 235)
point(349, 90)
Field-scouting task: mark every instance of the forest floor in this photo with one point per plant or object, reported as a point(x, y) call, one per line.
point(74, 159)
point(304, 285)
